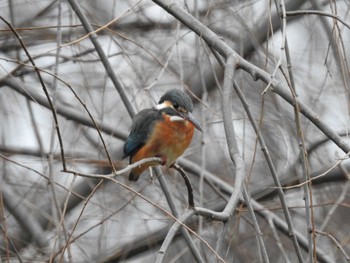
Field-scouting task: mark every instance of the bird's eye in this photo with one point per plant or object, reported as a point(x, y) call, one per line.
point(176, 106)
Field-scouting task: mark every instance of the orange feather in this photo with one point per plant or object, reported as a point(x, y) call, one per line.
point(168, 140)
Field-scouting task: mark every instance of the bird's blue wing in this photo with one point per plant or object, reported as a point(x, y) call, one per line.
point(141, 129)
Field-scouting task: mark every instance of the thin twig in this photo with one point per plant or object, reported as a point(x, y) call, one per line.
point(90, 228)
point(63, 110)
point(258, 232)
point(104, 59)
point(64, 211)
point(261, 210)
point(171, 233)
point(12, 244)
point(57, 215)
point(128, 168)
point(316, 12)
point(233, 148)
point(271, 166)
point(192, 246)
point(77, 221)
point(282, 225)
point(336, 242)
point(53, 110)
point(337, 203)
point(23, 216)
point(278, 240)
point(170, 236)
point(300, 137)
point(72, 114)
point(217, 43)
point(324, 173)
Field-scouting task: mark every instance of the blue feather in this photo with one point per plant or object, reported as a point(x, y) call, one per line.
point(141, 129)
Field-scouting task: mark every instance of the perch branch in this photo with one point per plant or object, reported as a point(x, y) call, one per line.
point(119, 172)
point(188, 185)
point(128, 168)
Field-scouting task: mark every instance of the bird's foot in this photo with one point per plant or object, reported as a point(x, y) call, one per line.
point(164, 159)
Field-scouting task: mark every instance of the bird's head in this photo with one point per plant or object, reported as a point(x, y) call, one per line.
point(179, 106)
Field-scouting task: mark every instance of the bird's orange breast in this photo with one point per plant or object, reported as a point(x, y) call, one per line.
point(168, 139)
point(171, 138)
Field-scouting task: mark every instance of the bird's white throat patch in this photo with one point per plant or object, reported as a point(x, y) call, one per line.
point(168, 104)
point(176, 118)
point(165, 104)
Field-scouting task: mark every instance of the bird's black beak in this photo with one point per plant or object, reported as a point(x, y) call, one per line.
point(189, 116)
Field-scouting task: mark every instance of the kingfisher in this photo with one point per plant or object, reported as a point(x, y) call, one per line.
point(164, 131)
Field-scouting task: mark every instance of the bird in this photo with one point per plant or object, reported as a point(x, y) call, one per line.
point(164, 131)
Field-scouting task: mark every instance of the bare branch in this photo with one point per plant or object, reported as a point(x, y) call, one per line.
point(188, 185)
point(234, 151)
point(94, 39)
point(53, 110)
point(24, 217)
point(225, 50)
point(336, 242)
point(316, 12)
point(173, 230)
point(259, 234)
point(279, 223)
point(128, 168)
point(176, 214)
point(62, 110)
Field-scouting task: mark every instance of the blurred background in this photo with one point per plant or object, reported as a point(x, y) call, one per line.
point(49, 215)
